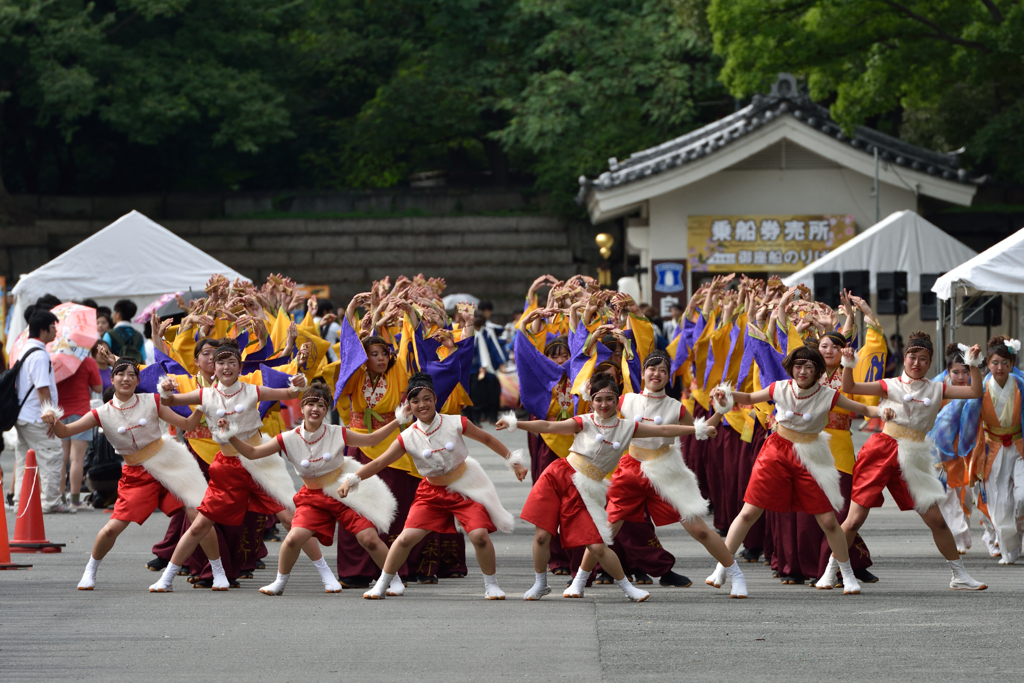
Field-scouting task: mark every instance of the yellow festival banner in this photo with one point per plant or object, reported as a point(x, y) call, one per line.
point(724, 244)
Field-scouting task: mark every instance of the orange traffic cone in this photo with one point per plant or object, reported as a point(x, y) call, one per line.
point(29, 534)
point(5, 548)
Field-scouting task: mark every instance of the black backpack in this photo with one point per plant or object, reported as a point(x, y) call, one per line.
point(125, 341)
point(10, 406)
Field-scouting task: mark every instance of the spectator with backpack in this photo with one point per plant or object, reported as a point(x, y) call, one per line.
point(123, 339)
point(35, 383)
point(75, 400)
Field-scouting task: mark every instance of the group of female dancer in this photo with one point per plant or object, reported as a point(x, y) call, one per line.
point(612, 454)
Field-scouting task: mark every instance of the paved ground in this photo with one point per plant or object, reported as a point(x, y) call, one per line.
point(909, 626)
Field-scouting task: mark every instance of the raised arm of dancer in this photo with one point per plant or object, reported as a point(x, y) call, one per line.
point(567, 427)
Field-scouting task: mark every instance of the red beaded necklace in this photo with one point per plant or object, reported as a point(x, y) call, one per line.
point(298, 430)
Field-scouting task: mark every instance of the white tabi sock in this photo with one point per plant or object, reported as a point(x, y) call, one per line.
point(220, 579)
point(89, 576)
point(851, 586)
point(828, 578)
point(578, 584)
point(276, 588)
point(491, 590)
point(331, 584)
point(539, 589)
point(738, 581)
point(717, 578)
point(632, 592)
point(961, 579)
point(380, 588)
point(396, 587)
point(166, 582)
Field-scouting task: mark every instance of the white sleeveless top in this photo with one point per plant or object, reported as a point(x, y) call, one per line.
point(603, 442)
point(654, 408)
point(916, 402)
point(436, 448)
point(802, 410)
point(132, 425)
point(313, 454)
point(239, 404)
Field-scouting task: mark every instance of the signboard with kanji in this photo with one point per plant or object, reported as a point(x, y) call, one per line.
point(783, 244)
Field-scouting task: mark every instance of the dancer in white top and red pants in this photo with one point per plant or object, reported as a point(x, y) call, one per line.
point(158, 471)
point(900, 457)
point(570, 497)
point(795, 469)
point(316, 451)
point(454, 486)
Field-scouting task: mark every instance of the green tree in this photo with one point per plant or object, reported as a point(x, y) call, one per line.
point(145, 70)
point(610, 78)
point(950, 73)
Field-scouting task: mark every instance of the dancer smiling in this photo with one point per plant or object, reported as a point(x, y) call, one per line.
point(454, 486)
point(158, 472)
point(316, 450)
point(234, 486)
point(900, 458)
point(795, 469)
point(651, 475)
point(570, 497)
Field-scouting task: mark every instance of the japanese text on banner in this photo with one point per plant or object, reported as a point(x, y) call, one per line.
point(723, 244)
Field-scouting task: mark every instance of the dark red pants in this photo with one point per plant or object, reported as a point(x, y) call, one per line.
point(800, 547)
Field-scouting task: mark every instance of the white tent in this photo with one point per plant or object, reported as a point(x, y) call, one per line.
point(902, 242)
point(999, 269)
point(132, 258)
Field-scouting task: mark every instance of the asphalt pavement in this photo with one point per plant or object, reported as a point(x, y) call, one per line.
point(908, 627)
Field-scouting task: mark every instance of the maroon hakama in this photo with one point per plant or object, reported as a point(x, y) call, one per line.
point(436, 555)
point(800, 547)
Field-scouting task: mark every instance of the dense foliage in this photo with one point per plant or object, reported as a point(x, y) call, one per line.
point(944, 74)
point(125, 96)
point(155, 95)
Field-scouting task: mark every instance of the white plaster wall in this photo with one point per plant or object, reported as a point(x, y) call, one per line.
point(785, 192)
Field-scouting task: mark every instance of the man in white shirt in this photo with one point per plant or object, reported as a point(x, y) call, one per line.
point(36, 384)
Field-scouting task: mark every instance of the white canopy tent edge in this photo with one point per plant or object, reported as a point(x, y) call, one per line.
point(132, 258)
point(997, 271)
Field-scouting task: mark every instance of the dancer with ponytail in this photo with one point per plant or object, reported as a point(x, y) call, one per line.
point(900, 457)
point(795, 469)
point(317, 452)
point(570, 497)
point(158, 472)
point(454, 486)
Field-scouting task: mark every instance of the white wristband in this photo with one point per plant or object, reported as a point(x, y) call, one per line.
point(517, 457)
point(701, 430)
point(848, 362)
point(402, 414)
point(510, 420)
point(160, 387)
point(50, 407)
point(352, 479)
point(973, 360)
point(726, 388)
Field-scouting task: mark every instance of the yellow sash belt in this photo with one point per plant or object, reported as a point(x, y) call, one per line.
point(585, 467)
point(446, 479)
point(317, 483)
